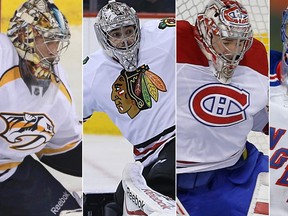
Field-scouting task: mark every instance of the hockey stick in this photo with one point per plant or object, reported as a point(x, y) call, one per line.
point(139, 199)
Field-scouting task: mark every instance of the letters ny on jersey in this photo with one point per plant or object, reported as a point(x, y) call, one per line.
point(279, 155)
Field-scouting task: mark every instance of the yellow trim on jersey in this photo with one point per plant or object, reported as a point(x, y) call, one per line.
point(50, 151)
point(7, 166)
point(14, 73)
point(62, 88)
point(65, 92)
point(10, 75)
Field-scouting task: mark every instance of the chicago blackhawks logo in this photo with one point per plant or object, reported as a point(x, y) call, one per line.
point(219, 105)
point(26, 131)
point(132, 91)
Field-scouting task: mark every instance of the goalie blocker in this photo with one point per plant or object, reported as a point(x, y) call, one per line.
point(139, 199)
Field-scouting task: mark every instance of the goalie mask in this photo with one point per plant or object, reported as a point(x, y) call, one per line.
point(224, 34)
point(40, 34)
point(118, 32)
point(284, 38)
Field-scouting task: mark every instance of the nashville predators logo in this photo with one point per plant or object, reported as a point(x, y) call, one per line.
point(26, 131)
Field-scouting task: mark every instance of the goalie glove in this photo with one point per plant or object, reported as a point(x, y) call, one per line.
point(139, 199)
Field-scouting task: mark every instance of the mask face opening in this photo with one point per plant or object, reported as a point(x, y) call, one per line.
point(123, 38)
point(117, 30)
point(230, 49)
point(49, 49)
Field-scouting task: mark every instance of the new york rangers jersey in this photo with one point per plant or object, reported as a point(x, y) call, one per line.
point(141, 103)
point(31, 123)
point(214, 119)
point(278, 139)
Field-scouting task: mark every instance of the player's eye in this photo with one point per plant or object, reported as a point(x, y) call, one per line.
point(129, 32)
point(227, 43)
point(116, 35)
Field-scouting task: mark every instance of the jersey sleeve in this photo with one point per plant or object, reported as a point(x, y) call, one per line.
point(8, 54)
point(89, 104)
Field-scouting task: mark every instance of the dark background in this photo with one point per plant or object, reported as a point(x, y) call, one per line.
point(154, 6)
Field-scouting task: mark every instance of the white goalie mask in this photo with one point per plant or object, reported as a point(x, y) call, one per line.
point(118, 32)
point(224, 34)
point(40, 34)
point(284, 38)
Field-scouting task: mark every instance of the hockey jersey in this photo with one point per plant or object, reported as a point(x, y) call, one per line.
point(30, 123)
point(278, 139)
point(141, 103)
point(214, 119)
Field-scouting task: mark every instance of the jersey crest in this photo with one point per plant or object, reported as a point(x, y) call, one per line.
point(133, 91)
point(235, 15)
point(167, 22)
point(26, 131)
point(219, 105)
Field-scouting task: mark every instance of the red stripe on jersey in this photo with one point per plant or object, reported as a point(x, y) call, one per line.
point(188, 50)
point(155, 146)
point(262, 208)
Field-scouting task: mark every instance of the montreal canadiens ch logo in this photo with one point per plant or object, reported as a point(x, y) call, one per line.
point(219, 105)
point(235, 16)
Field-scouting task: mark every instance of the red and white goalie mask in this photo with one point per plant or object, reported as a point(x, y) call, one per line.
point(224, 34)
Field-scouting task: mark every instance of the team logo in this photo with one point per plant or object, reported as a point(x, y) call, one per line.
point(86, 60)
point(133, 91)
point(219, 105)
point(167, 22)
point(235, 15)
point(26, 131)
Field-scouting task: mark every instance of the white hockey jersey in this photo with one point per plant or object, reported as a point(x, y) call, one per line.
point(140, 103)
point(29, 123)
point(213, 119)
point(278, 142)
